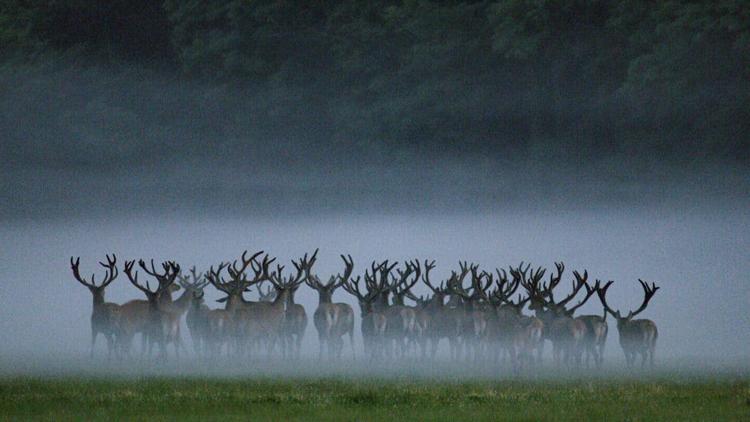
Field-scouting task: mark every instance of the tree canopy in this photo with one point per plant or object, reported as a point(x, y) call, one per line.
point(592, 77)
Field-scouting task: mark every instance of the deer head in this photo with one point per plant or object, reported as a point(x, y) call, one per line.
point(648, 293)
point(285, 286)
point(164, 279)
point(110, 274)
point(325, 290)
point(238, 280)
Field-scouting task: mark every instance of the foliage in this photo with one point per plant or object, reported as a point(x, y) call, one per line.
point(598, 77)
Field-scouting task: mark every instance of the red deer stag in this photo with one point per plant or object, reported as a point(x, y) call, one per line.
point(163, 324)
point(637, 336)
point(596, 334)
point(332, 320)
point(196, 308)
point(104, 315)
point(402, 319)
point(423, 323)
point(374, 323)
point(567, 333)
point(135, 315)
point(286, 318)
point(246, 327)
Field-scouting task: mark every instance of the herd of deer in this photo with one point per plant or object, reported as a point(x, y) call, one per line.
point(473, 310)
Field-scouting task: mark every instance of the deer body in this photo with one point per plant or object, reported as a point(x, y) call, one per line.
point(596, 337)
point(638, 337)
point(162, 321)
point(332, 320)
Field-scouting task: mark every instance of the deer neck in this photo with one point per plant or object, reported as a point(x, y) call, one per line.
point(98, 298)
point(195, 304)
point(324, 297)
point(384, 298)
point(453, 301)
point(234, 301)
point(282, 299)
point(165, 297)
point(184, 300)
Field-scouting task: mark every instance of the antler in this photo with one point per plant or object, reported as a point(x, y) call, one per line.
point(237, 271)
point(589, 292)
point(648, 293)
point(428, 266)
point(531, 284)
point(506, 289)
point(579, 282)
point(602, 293)
point(371, 279)
point(456, 283)
point(214, 277)
point(403, 285)
point(302, 266)
point(351, 286)
point(198, 283)
point(109, 275)
point(171, 269)
point(554, 280)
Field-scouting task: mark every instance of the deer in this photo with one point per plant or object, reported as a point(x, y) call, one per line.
point(332, 320)
point(415, 320)
point(446, 322)
point(566, 333)
point(596, 335)
point(295, 323)
point(457, 310)
point(637, 336)
point(104, 315)
point(196, 308)
point(423, 320)
point(504, 323)
point(246, 326)
point(374, 323)
point(212, 327)
point(401, 318)
point(477, 315)
point(163, 324)
point(198, 323)
point(287, 319)
point(135, 315)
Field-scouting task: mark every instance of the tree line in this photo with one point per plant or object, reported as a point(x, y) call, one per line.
point(540, 78)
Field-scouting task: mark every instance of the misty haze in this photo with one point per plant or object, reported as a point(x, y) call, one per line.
point(521, 209)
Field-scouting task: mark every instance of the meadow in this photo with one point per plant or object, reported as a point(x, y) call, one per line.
point(265, 398)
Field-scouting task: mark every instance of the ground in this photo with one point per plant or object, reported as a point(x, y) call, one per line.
point(198, 398)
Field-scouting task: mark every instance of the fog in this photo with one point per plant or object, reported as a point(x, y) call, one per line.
point(696, 250)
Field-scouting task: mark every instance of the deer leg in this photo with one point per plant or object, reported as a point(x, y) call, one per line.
point(110, 345)
point(94, 334)
point(651, 355)
point(320, 346)
point(540, 352)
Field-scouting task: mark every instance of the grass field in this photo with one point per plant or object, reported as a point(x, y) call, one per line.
point(373, 399)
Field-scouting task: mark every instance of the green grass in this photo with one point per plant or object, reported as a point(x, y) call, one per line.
point(341, 399)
